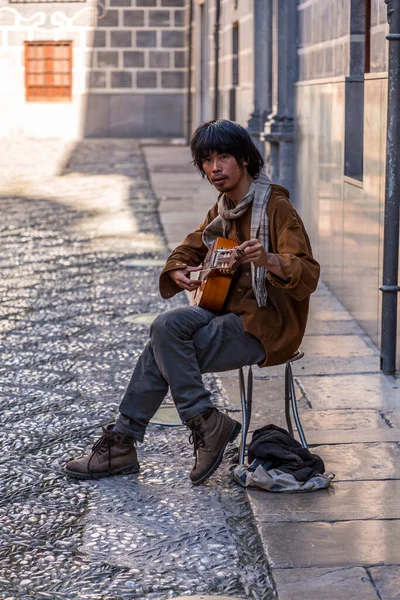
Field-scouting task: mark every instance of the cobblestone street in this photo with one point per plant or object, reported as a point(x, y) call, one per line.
point(68, 346)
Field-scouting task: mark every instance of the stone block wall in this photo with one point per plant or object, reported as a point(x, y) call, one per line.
point(379, 30)
point(330, 37)
point(232, 13)
point(241, 15)
point(139, 45)
point(323, 30)
point(137, 78)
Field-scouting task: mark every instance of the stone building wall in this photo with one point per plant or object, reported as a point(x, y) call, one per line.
point(379, 29)
point(129, 67)
point(323, 38)
point(138, 74)
point(235, 97)
point(330, 36)
point(341, 106)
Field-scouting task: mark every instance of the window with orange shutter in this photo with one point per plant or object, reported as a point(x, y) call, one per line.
point(48, 71)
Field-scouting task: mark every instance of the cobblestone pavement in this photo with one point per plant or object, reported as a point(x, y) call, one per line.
point(67, 351)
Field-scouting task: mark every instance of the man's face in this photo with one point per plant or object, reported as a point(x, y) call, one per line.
point(223, 171)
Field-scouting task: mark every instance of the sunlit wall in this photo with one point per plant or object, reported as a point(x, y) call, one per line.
point(128, 67)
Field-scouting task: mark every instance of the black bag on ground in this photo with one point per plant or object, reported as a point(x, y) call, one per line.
point(276, 447)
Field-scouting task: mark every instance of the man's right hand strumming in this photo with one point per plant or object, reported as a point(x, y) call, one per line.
point(182, 278)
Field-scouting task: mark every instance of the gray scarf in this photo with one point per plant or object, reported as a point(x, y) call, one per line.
point(258, 195)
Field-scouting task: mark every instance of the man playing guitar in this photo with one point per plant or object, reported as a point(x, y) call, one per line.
point(262, 320)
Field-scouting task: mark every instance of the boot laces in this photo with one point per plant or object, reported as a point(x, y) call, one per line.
point(197, 438)
point(102, 445)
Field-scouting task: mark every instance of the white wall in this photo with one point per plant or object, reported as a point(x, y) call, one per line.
point(35, 22)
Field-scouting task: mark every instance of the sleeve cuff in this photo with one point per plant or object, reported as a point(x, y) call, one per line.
point(278, 282)
point(167, 286)
point(173, 265)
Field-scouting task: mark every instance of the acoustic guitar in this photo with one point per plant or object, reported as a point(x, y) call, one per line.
point(216, 275)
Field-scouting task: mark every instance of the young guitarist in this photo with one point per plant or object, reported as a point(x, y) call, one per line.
point(263, 319)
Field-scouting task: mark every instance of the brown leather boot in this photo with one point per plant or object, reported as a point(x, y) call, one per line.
point(113, 454)
point(211, 433)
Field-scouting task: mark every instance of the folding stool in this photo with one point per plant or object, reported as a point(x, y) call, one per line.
point(246, 398)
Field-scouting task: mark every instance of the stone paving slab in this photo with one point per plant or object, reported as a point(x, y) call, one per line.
point(362, 461)
point(335, 313)
point(343, 346)
point(387, 582)
point(369, 390)
point(341, 502)
point(268, 393)
point(342, 419)
point(338, 544)
point(328, 365)
point(315, 584)
point(352, 436)
point(325, 306)
point(268, 406)
point(333, 327)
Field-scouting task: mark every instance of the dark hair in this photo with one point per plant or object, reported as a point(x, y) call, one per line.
point(225, 136)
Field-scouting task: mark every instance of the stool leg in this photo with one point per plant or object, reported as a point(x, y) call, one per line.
point(288, 375)
point(249, 396)
point(246, 400)
point(244, 417)
point(295, 412)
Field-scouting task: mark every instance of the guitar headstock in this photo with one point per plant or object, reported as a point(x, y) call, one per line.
point(226, 259)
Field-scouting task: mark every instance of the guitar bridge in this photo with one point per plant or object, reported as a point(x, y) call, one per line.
point(220, 272)
point(216, 275)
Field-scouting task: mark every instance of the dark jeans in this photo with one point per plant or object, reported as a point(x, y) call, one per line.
point(184, 343)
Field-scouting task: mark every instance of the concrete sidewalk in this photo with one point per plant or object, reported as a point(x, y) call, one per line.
point(343, 542)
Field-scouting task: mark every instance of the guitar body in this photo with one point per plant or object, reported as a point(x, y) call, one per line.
point(216, 277)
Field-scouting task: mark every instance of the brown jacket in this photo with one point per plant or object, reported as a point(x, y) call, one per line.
point(281, 324)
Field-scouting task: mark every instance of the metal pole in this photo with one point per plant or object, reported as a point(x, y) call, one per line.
point(216, 57)
point(189, 76)
point(390, 286)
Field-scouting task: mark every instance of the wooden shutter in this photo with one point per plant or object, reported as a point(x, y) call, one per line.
point(48, 71)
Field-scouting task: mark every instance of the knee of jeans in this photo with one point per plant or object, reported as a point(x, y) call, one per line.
point(163, 323)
